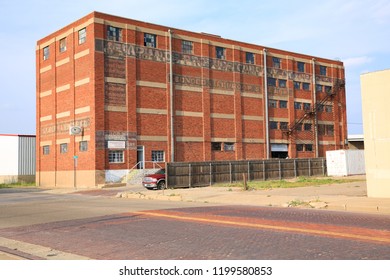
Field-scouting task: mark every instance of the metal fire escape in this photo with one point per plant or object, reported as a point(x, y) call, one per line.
point(310, 114)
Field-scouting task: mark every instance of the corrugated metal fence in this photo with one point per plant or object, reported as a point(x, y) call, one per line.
point(196, 174)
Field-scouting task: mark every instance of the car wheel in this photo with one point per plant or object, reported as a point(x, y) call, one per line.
point(161, 185)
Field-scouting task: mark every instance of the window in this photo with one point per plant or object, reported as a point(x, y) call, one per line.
point(282, 83)
point(271, 81)
point(216, 146)
point(328, 108)
point(250, 58)
point(297, 105)
point(307, 126)
point(299, 147)
point(329, 130)
point(276, 62)
point(298, 127)
point(115, 156)
point(228, 146)
point(282, 104)
point(158, 156)
point(322, 70)
point(306, 106)
point(63, 45)
point(272, 103)
point(63, 148)
point(301, 66)
point(150, 40)
point(320, 108)
point(305, 86)
point(46, 53)
point(321, 129)
point(273, 125)
point(83, 146)
point(328, 89)
point(186, 47)
point(220, 52)
point(283, 125)
point(46, 150)
point(319, 88)
point(82, 36)
point(114, 33)
point(297, 85)
point(308, 147)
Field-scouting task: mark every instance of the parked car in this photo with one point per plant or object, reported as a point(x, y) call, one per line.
point(155, 181)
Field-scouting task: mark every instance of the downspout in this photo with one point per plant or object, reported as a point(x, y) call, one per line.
point(171, 97)
point(266, 103)
point(315, 106)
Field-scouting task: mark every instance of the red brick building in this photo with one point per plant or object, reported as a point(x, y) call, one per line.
point(109, 96)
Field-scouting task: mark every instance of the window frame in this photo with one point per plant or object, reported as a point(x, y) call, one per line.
point(83, 146)
point(271, 81)
point(323, 70)
point(229, 146)
point(297, 85)
point(306, 86)
point(218, 51)
point(250, 58)
point(285, 102)
point(300, 66)
point(46, 53)
point(158, 155)
point(283, 125)
point(282, 83)
point(299, 147)
point(82, 35)
point(272, 103)
point(273, 125)
point(62, 45)
point(46, 150)
point(114, 33)
point(150, 40)
point(307, 127)
point(276, 62)
point(63, 148)
point(216, 146)
point(297, 105)
point(116, 156)
point(187, 47)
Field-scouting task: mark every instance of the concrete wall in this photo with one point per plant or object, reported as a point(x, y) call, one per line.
point(376, 114)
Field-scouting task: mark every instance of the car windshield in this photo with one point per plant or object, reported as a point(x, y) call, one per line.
point(161, 171)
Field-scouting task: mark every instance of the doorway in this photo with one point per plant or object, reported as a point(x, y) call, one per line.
point(140, 157)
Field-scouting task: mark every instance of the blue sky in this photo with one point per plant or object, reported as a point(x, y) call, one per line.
point(353, 31)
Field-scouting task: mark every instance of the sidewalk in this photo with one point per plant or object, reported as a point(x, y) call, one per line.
point(349, 197)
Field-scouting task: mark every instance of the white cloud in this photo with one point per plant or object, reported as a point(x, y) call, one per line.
point(357, 61)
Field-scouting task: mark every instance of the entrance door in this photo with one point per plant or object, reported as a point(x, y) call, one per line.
point(279, 150)
point(140, 157)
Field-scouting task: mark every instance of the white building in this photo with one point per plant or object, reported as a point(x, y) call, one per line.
point(17, 158)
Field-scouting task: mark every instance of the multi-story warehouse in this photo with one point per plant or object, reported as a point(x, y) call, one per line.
point(112, 92)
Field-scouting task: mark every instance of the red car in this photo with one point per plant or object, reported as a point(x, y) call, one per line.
point(155, 181)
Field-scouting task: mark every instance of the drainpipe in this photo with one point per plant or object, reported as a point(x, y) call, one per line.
point(315, 107)
point(266, 103)
point(171, 96)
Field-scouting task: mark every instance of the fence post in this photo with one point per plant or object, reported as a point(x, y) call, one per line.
point(280, 170)
point(323, 167)
point(249, 168)
point(263, 170)
point(189, 175)
point(230, 170)
point(309, 167)
point(295, 168)
point(211, 174)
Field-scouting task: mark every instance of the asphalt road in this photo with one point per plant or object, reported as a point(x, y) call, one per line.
point(96, 225)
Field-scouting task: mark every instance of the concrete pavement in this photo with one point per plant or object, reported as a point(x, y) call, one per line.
point(350, 196)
